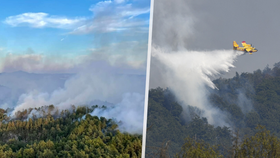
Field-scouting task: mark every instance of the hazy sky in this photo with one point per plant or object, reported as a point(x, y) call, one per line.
point(104, 43)
point(61, 36)
point(214, 25)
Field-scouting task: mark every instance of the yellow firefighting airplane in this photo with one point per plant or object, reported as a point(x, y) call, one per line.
point(247, 48)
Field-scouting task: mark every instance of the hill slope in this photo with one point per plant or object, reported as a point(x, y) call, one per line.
point(249, 99)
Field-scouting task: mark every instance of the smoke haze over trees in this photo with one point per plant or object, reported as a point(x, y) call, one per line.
point(248, 100)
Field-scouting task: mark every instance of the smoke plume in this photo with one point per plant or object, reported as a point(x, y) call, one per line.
point(188, 74)
point(129, 113)
point(125, 92)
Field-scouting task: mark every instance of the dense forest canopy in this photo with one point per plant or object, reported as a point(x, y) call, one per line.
point(66, 133)
point(248, 100)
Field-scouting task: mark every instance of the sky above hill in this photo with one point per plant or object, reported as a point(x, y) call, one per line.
point(67, 36)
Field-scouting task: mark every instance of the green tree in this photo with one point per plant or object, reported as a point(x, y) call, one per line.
point(262, 145)
point(197, 149)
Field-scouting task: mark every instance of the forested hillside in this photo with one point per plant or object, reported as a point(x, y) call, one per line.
point(251, 99)
point(248, 99)
point(66, 133)
point(165, 124)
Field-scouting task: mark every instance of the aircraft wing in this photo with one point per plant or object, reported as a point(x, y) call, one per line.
point(251, 49)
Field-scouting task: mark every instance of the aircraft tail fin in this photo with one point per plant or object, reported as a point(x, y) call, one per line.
point(235, 45)
point(244, 43)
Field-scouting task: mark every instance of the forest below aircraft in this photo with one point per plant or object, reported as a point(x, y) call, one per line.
point(262, 92)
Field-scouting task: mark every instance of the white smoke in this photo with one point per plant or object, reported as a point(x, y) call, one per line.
point(177, 30)
point(124, 91)
point(187, 74)
point(243, 102)
point(129, 112)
